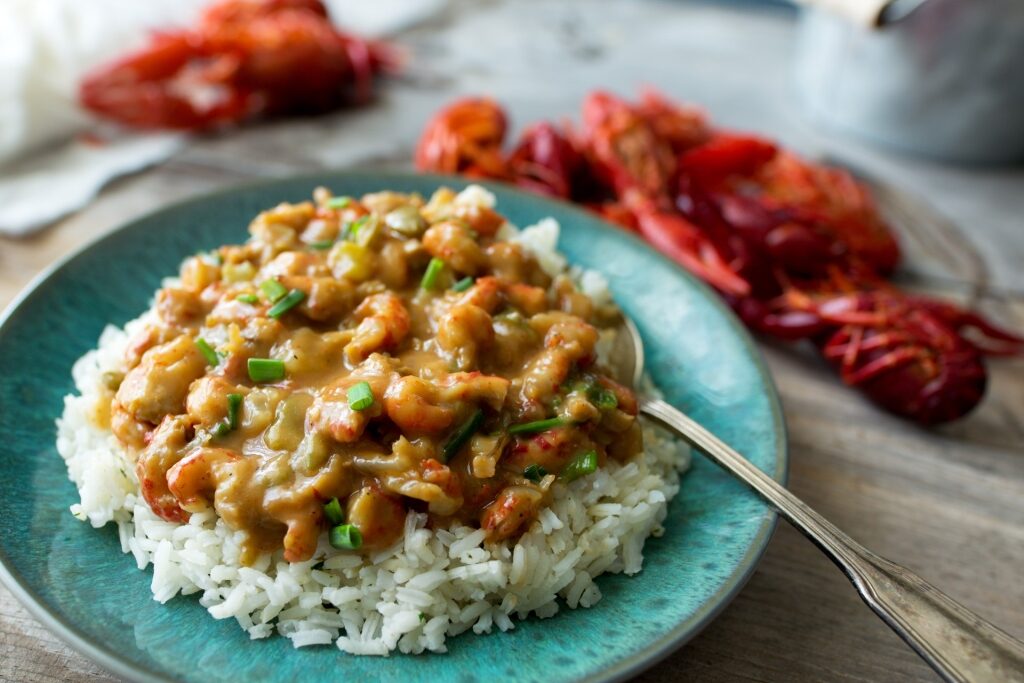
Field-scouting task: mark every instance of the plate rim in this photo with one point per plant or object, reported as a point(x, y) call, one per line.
point(630, 666)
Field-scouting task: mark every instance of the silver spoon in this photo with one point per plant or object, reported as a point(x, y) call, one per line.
point(958, 644)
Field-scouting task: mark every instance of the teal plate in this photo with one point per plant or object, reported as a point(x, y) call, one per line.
point(77, 582)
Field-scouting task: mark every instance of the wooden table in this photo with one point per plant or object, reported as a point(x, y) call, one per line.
point(947, 502)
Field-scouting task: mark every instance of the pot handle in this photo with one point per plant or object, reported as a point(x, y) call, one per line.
point(866, 13)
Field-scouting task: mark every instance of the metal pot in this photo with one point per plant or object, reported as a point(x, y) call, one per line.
point(943, 78)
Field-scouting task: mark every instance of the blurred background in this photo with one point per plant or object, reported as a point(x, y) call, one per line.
point(922, 99)
point(937, 87)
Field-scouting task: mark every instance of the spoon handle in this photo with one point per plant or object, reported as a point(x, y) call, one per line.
point(958, 644)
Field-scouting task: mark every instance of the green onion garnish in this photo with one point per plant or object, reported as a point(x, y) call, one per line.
point(534, 472)
point(286, 303)
point(538, 426)
point(463, 284)
point(338, 202)
point(461, 435)
point(352, 229)
point(360, 396)
point(333, 512)
point(234, 406)
point(273, 289)
point(584, 463)
point(248, 298)
point(320, 245)
point(223, 428)
point(604, 399)
point(265, 369)
point(433, 272)
point(346, 537)
point(366, 231)
point(208, 353)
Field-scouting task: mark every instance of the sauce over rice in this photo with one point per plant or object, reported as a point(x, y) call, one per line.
point(359, 358)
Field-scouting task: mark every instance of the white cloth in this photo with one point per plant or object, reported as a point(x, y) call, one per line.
point(46, 46)
point(39, 189)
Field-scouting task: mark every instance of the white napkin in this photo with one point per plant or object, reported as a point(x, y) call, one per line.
point(41, 188)
point(47, 169)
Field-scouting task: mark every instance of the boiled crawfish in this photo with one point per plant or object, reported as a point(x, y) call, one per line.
point(244, 58)
point(799, 250)
point(465, 138)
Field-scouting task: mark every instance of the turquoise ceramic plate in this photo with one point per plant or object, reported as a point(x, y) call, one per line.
point(77, 582)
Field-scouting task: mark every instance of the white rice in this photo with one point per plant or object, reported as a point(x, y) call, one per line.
point(411, 597)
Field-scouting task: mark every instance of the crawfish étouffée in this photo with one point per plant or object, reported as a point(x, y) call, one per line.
point(388, 352)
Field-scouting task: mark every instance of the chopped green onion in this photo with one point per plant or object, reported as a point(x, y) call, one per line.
point(534, 472)
point(461, 435)
point(338, 202)
point(433, 272)
point(273, 289)
point(234, 406)
point(320, 245)
point(346, 537)
point(230, 424)
point(604, 399)
point(265, 369)
point(248, 298)
point(366, 231)
point(582, 464)
point(286, 303)
point(463, 284)
point(332, 510)
point(211, 356)
point(538, 426)
point(360, 396)
point(352, 229)
point(569, 387)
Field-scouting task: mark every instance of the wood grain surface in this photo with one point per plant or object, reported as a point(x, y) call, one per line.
point(947, 503)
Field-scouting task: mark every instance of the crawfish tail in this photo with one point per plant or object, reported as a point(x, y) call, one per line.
point(546, 161)
point(905, 358)
point(684, 243)
point(924, 388)
point(988, 338)
point(466, 135)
